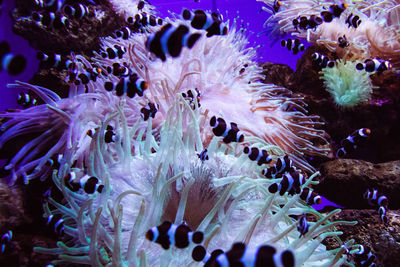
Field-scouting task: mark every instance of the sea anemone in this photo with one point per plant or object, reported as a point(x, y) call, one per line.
point(347, 86)
point(151, 171)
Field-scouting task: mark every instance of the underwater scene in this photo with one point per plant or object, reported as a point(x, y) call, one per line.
point(200, 133)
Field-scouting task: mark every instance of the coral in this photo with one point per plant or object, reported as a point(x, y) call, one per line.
point(347, 86)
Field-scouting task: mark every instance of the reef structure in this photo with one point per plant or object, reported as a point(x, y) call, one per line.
point(150, 170)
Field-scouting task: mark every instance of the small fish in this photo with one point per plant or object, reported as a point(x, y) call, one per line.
point(109, 135)
point(240, 255)
point(140, 5)
point(178, 235)
point(56, 221)
point(322, 61)
point(144, 20)
point(89, 74)
point(124, 33)
point(203, 155)
point(294, 45)
point(255, 154)
point(334, 11)
point(382, 213)
point(55, 161)
point(170, 40)
point(310, 197)
point(119, 70)
point(290, 182)
point(26, 100)
point(374, 65)
point(50, 5)
point(342, 41)
point(77, 10)
point(5, 239)
point(13, 64)
point(53, 60)
point(129, 85)
point(190, 96)
point(302, 225)
point(276, 6)
point(201, 20)
point(113, 52)
point(230, 133)
point(364, 256)
point(353, 21)
point(149, 110)
point(282, 165)
point(89, 184)
point(375, 198)
point(300, 23)
point(50, 19)
point(352, 141)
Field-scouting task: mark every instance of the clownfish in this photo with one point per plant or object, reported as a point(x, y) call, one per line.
point(179, 235)
point(189, 96)
point(290, 182)
point(322, 61)
point(203, 155)
point(294, 45)
point(76, 11)
point(26, 100)
point(113, 52)
point(282, 165)
point(353, 21)
point(342, 42)
point(119, 70)
point(303, 23)
point(5, 239)
point(352, 141)
point(140, 5)
point(255, 154)
point(57, 222)
point(50, 19)
point(310, 197)
point(382, 214)
point(123, 33)
point(240, 255)
point(364, 256)
point(170, 40)
point(302, 225)
point(109, 135)
point(89, 184)
point(13, 64)
point(143, 20)
point(230, 133)
point(129, 85)
point(374, 65)
point(276, 6)
point(55, 161)
point(53, 60)
point(334, 11)
point(375, 198)
point(212, 23)
point(149, 110)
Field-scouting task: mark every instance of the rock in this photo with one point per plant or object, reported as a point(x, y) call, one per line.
point(344, 182)
point(384, 240)
point(279, 74)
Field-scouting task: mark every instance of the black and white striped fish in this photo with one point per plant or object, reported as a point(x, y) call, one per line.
point(212, 23)
point(53, 60)
point(5, 239)
point(190, 97)
point(364, 257)
point(342, 41)
point(353, 21)
point(26, 100)
point(13, 64)
point(50, 19)
point(129, 85)
point(123, 33)
point(374, 65)
point(179, 235)
point(256, 154)
point(376, 198)
point(240, 255)
point(282, 165)
point(89, 184)
point(230, 133)
point(302, 225)
point(119, 70)
point(143, 20)
point(113, 52)
point(293, 45)
point(170, 40)
point(334, 11)
point(382, 214)
point(149, 110)
point(322, 61)
point(290, 182)
point(77, 11)
point(352, 142)
point(310, 197)
point(203, 155)
point(56, 222)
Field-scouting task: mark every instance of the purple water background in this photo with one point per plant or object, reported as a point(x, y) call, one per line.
point(249, 11)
